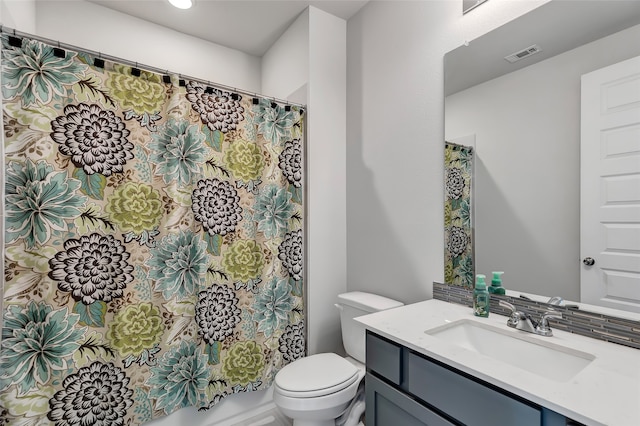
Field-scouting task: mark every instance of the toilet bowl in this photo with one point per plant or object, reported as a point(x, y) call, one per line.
point(317, 389)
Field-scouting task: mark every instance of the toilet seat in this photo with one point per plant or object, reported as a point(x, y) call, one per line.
point(316, 375)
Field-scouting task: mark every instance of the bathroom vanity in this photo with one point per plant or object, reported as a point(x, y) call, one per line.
point(434, 363)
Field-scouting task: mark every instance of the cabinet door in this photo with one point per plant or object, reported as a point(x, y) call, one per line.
point(469, 402)
point(384, 357)
point(386, 406)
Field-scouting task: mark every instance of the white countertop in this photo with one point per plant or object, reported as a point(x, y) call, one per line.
point(606, 392)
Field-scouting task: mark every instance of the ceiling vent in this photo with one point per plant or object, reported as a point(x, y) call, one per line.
point(524, 53)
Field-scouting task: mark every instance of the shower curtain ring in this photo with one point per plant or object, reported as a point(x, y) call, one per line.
point(166, 78)
point(58, 52)
point(135, 71)
point(98, 62)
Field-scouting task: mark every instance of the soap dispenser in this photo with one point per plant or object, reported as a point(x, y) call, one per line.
point(496, 284)
point(481, 297)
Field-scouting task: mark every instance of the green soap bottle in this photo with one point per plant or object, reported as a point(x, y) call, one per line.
point(480, 297)
point(496, 284)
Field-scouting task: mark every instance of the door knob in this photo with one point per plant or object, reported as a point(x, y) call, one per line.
point(589, 261)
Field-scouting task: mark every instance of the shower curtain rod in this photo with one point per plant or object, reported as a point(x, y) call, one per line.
point(459, 145)
point(110, 58)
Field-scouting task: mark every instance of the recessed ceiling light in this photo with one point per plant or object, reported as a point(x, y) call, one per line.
point(182, 4)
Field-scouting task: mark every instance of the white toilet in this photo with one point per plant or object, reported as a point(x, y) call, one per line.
point(316, 390)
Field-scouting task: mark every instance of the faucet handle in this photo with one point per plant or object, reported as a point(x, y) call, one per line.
point(515, 316)
point(556, 300)
point(543, 326)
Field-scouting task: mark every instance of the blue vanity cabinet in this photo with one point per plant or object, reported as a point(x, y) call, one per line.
point(405, 388)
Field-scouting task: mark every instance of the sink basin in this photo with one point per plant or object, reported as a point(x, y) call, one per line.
point(516, 348)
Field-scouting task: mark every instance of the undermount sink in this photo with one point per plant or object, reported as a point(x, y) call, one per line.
point(543, 358)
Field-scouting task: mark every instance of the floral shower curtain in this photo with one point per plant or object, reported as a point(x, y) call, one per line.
point(459, 268)
point(153, 240)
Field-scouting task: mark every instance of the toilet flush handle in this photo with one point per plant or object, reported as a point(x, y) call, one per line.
point(339, 306)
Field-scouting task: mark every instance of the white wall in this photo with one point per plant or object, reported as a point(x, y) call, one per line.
point(395, 138)
point(285, 66)
point(18, 14)
point(312, 55)
point(527, 127)
point(100, 29)
point(326, 174)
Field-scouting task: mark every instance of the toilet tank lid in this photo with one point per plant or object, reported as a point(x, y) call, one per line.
point(368, 302)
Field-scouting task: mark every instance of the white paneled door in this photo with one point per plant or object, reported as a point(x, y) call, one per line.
point(610, 186)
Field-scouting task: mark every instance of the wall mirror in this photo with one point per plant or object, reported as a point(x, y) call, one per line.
point(524, 119)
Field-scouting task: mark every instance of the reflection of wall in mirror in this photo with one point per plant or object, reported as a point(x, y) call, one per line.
point(469, 5)
point(527, 126)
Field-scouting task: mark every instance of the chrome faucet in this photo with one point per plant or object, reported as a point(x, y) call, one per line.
point(519, 320)
point(523, 321)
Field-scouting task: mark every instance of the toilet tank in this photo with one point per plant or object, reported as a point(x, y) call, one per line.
point(355, 304)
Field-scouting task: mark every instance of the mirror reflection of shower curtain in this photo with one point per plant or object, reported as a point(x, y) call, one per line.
point(459, 266)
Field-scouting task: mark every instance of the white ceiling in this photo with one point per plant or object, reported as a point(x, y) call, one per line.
point(250, 26)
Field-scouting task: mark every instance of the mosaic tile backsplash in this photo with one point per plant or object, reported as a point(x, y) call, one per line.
point(597, 326)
